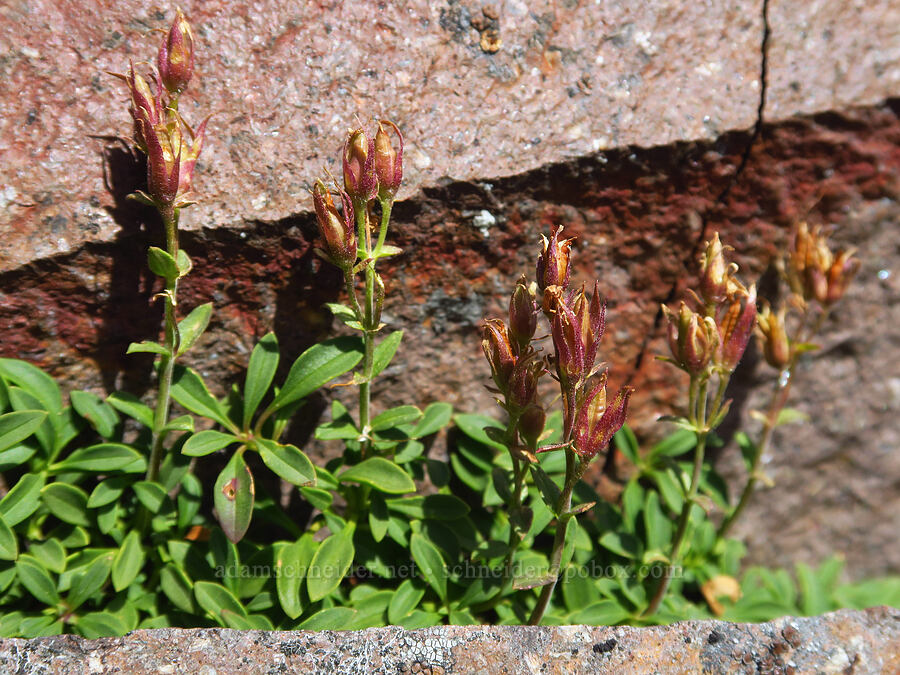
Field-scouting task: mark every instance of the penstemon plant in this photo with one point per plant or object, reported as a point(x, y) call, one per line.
point(108, 522)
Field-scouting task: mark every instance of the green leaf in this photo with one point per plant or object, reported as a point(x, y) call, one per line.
point(473, 426)
point(131, 406)
point(549, 490)
point(162, 264)
point(16, 456)
point(406, 598)
point(395, 417)
point(627, 444)
point(17, 426)
point(434, 507)
point(191, 327)
point(748, 449)
point(23, 500)
point(147, 347)
point(378, 516)
point(263, 364)
point(569, 542)
point(177, 587)
point(430, 563)
point(675, 444)
point(341, 425)
point(622, 543)
point(51, 555)
point(35, 381)
point(813, 594)
point(790, 415)
point(343, 313)
point(657, 526)
point(37, 581)
point(319, 498)
point(288, 462)
point(669, 488)
point(181, 423)
point(381, 474)
point(292, 562)
point(215, 599)
point(233, 497)
point(102, 458)
point(100, 624)
point(385, 350)
point(184, 263)
point(67, 502)
point(151, 494)
point(206, 442)
point(329, 565)
point(190, 391)
point(333, 618)
point(128, 561)
point(88, 582)
point(96, 411)
point(436, 417)
point(316, 366)
point(603, 613)
point(9, 547)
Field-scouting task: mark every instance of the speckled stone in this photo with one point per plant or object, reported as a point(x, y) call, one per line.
point(861, 643)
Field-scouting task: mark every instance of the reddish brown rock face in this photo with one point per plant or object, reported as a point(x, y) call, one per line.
point(614, 122)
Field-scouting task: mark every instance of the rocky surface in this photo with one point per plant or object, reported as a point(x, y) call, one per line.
point(861, 643)
point(628, 124)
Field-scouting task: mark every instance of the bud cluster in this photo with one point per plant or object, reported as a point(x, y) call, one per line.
point(372, 169)
point(711, 333)
point(577, 322)
point(171, 145)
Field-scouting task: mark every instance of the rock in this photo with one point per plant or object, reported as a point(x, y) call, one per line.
point(841, 642)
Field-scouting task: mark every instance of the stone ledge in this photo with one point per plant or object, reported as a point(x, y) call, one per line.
point(845, 641)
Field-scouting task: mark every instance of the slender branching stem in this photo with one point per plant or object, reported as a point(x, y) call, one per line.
point(167, 361)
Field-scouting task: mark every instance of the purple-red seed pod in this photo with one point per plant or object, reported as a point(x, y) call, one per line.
point(591, 319)
point(714, 272)
point(176, 56)
point(693, 339)
point(522, 315)
point(566, 334)
point(772, 334)
point(360, 181)
point(596, 423)
point(499, 353)
point(388, 161)
point(553, 262)
point(336, 228)
point(735, 328)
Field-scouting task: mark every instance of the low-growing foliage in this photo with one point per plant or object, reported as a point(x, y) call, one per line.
point(107, 526)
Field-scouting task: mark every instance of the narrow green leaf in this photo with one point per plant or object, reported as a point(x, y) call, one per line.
point(67, 502)
point(191, 327)
point(37, 581)
point(9, 547)
point(675, 444)
point(151, 494)
point(748, 449)
point(385, 350)
point(329, 565)
point(395, 417)
point(319, 498)
point(51, 555)
point(185, 265)
point(621, 543)
point(550, 491)
point(161, 263)
point(35, 381)
point(430, 563)
point(602, 613)
point(16, 456)
point(128, 561)
point(96, 411)
point(177, 587)
point(569, 542)
point(190, 391)
point(436, 417)
point(292, 562)
point(233, 497)
point(316, 366)
point(131, 406)
point(627, 444)
point(17, 426)
point(206, 442)
point(263, 364)
point(89, 581)
point(23, 500)
point(146, 347)
point(473, 426)
point(100, 624)
point(381, 474)
point(433, 507)
point(180, 423)
point(333, 618)
point(288, 462)
point(215, 598)
point(790, 415)
point(657, 526)
point(406, 598)
point(102, 459)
